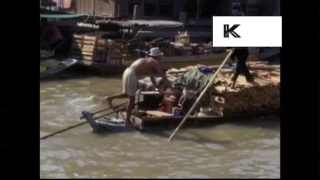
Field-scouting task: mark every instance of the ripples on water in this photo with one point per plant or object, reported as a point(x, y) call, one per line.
point(224, 151)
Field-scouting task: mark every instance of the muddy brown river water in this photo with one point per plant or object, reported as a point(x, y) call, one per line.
point(243, 150)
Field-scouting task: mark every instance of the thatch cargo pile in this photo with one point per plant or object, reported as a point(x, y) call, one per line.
point(244, 98)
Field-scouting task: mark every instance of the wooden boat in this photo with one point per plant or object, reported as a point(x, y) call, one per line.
point(225, 104)
point(156, 118)
point(110, 124)
point(59, 68)
point(163, 121)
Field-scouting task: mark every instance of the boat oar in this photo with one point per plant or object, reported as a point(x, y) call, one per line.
point(74, 126)
point(106, 109)
point(63, 130)
point(200, 96)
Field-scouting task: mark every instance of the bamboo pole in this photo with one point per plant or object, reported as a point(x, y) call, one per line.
point(200, 96)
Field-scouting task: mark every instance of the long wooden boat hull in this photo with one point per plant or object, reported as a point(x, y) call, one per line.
point(101, 68)
point(183, 61)
point(166, 63)
point(67, 64)
point(112, 124)
point(107, 125)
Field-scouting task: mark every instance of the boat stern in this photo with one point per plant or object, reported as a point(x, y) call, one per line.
point(89, 118)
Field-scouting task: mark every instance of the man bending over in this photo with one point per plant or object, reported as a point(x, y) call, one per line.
point(141, 67)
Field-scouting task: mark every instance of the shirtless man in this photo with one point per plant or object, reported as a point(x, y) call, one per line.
point(141, 67)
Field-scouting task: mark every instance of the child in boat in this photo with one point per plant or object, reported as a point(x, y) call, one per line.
point(141, 67)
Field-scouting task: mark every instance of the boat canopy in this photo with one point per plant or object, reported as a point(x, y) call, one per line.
point(155, 23)
point(62, 16)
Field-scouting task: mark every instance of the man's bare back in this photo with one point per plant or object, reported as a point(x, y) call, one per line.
point(141, 67)
point(144, 66)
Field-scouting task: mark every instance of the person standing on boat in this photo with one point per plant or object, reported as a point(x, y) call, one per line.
point(241, 53)
point(51, 33)
point(141, 67)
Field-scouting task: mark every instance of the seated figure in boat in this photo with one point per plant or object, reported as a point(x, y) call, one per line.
point(51, 35)
point(141, 67)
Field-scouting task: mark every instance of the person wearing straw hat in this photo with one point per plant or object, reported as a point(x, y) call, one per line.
point(141, 67)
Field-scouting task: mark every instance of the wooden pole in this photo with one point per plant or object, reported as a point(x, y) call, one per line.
point(200, 96)
point(136, 12)
point(142, 9)
point(106, 109)
point(118, 11)
point(198, 9)
point(94, 10)
point(77, 125)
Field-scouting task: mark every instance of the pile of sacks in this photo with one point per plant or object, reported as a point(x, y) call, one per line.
point(251, 100)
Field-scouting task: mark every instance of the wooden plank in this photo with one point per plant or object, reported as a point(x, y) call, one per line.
point(87, 48)
point(83, 53)
point(89, 58)
point(159, 114)
point(77, 36)
point(81, 57)
point(89, 42)
point(90, 38)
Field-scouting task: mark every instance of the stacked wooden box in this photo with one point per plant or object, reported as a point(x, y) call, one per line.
point(101, 50)
point(116, 49)
point(91, 48)
point(83, 47)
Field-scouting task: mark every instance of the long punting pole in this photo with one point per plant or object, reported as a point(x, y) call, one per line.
point(200, 96)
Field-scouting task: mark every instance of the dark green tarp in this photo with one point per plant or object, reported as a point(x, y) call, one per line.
point(194, 79)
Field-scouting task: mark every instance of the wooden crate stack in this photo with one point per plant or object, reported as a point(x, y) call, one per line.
point(91, 48)
point(101, 50)
point(116, 49)
point(83, 47)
